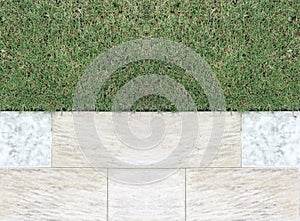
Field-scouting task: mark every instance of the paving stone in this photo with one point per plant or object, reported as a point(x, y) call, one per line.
point(25, 139)
point(160, 200)
point(242, 194)
point(161, 137)
point(271, 139)
point(65, 148)
point(52, 194)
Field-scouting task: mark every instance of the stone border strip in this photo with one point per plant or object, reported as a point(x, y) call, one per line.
point(266, 140)
point(190, 194)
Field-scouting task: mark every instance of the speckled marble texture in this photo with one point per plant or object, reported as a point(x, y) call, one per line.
point(242, 194)
point(271, 139)
point(52, 194)
point(25, 139)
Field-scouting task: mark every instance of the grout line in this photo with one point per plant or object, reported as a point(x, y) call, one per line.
point(185, 194)
point(107, 194)
point(105, 168)
point(299, 194)
point(241, 139)
point(51, 141)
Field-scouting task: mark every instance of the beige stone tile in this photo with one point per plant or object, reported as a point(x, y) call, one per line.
point(161, 200)
point(242, 194)
point(228, 147)
point(66, 151)
point(52, 194)
point(65, 148)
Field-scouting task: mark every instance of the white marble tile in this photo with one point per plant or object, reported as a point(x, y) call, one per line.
point(161, 137)
point(271, 139)
point(52, 194)
point(25, 139)
point(163, 200)
point(242, 194)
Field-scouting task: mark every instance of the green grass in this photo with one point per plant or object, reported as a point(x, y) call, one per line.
point(252, 47)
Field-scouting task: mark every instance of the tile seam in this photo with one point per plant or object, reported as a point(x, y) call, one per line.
point(107, 208)
point(241, 139)
point(51, 121)
point(185, 209)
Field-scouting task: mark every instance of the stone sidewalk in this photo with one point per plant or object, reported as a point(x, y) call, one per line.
point(46, 174)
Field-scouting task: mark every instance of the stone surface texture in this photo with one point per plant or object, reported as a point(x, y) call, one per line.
point(271, 139)
point(25, 139)
point(52, 194)
point(68, 153)
point(161, 200)
point(242, 194)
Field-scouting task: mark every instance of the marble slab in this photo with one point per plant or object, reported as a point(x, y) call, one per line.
point(68, 153)
point(52, 194)
point(25, 139)
point(242, 194)
point(271, 139)
point(161, 200)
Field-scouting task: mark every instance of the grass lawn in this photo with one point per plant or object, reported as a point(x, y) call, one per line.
point(252, 47)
